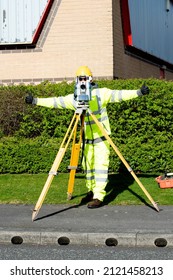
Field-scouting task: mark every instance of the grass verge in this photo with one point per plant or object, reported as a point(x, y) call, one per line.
point(121, 189)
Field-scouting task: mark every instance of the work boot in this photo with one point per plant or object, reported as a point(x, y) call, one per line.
point(95, 203)
point(87, 198)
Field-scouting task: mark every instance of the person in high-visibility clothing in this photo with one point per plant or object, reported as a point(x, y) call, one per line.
point(96, 148)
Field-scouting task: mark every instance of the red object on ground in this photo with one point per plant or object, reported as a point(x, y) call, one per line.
point(164, 182)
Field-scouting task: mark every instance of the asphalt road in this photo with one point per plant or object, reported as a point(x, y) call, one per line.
point(127, 225)
point(83, 252)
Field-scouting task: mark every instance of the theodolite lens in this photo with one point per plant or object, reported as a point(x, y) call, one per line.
point(83, 87)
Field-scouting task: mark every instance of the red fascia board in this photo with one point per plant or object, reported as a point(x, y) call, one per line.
point(126, 23)
point(42, 21)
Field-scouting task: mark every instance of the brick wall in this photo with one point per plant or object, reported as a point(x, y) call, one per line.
point(76, 33)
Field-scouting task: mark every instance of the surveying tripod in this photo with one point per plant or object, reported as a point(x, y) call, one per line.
point(79, 115)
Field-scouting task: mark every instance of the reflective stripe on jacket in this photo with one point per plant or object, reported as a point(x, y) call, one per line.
point(100, 98)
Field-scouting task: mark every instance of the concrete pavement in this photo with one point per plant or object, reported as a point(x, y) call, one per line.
point(73, 224)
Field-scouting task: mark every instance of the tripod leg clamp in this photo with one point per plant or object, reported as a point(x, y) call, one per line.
point(53, 173)
point(130, 169)
point(70, 167)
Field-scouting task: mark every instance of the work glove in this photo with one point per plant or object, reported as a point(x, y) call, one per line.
point(29, 99)
point(144, 89)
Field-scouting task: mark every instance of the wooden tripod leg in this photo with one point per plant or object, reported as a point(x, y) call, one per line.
point(124, 161)
point(46, 187)
point(74, 159)
point(55, 165)
point(73, 167)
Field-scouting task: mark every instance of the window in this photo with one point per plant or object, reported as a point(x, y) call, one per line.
point(21, 21)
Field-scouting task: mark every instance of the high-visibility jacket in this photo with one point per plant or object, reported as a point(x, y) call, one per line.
point(96, 157)
point(100, 98)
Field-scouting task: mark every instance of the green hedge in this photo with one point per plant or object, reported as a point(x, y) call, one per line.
point(31, 156)
point(142, 128)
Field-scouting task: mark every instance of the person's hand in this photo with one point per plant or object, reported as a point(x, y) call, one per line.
point(29, 99)
point(144, 89)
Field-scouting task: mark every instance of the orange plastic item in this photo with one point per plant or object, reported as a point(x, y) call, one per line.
point(164, 182)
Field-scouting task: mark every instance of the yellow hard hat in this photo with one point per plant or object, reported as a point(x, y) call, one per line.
point(83, 71)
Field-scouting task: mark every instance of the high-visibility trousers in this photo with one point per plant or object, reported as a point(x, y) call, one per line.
point(96, 163)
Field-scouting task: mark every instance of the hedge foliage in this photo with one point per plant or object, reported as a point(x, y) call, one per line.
point(142, 128)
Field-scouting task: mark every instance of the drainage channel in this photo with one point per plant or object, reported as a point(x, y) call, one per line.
point(160, 242)
point(64, 240)
point(17, 240)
